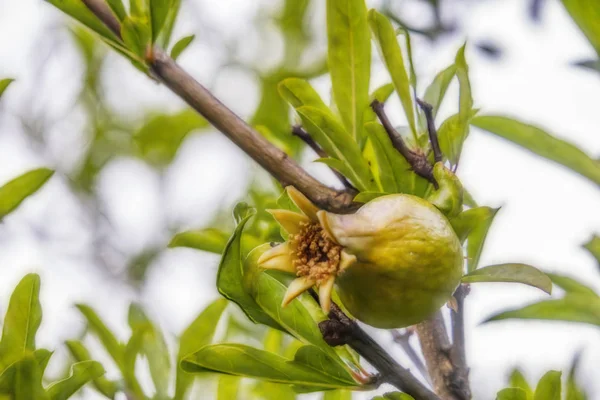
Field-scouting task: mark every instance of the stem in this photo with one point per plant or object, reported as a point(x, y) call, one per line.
point(433, 137)
point(306, 138)
point(403, 339)
point(459, 357)
point(340, 329)
point(419, 162)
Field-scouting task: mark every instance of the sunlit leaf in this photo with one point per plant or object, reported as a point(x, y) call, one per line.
point(476, 238)
point(181, 45)
point(349, 59)
point(21, 322)
point(436, 91)
point(4, 83)
point(392, 56)
point(15, 191)
point(228, 387)
point(365, 197)
point(517, 380)
point(337, 395)
point(137, 34)
point(381, 94)
point(161, 136)
point(259, 364)
point(572, 308)
point(198, 334)
point(468, 220)
point(106, 337)
point(541, 143)
point(80, 353)
point(209, 239)
point(43, 357)
point(118, 8)
point(571, 285)
point(158, 16)
point(394, 396)
point(549, 387)
point(28, 380)
point(299, 93)
point(81, 373)
point(586, 14)
point(593, 246)
point(338, 144)
point(512, 394)
point(518, 273)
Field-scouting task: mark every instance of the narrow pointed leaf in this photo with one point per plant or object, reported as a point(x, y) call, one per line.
point(81, 373)
point(512, 394)
point(298, 93)
point(315, 358)
point(436, 91)
point(159, 10)
point(181, 45)
point(349, 60)
point(28, 380)
point(586, 14)
point(337, 395)
point(210, 239)
point(106, 337)
point(381, 94)
point(518, 273)
point(4, 83)
point(571, 285)
point(571, 308)
point(137, 35)
point(476, 238)
point(43, 357)
point(392, 56)
point(549, 387)
point(21, 322)
point(574, 391)
point(593, 246)
point(465, 222)
point(517, 380)
point(228, 387)
point(80, 353)
point(14, 192)
point(541, 143)
point(118, 8)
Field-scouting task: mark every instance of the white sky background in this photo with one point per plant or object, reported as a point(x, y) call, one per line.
point(548, 212)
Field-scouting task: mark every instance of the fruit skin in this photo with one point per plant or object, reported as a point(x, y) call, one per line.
point(410, 260)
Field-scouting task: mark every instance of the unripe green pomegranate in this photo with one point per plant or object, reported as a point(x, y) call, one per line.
point(394, 262)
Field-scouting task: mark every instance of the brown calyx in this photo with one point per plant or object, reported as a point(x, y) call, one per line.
point(317, 256)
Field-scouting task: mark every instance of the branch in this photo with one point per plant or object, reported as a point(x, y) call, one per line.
point(436, 347)
point(306, 138)
point(419, 162)
point(458, 355)
point(340, 329)
point(403, 339)
point(272, 159)
point(433, 137)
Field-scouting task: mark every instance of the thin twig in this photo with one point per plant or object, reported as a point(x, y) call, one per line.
point(431, 129)
point(339, 330)
point(458, 354)
point(403, 339)
point(306, 138)
point(418, 161)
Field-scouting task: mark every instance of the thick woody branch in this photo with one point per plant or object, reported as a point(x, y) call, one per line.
point(339, 330)
point(272, 159)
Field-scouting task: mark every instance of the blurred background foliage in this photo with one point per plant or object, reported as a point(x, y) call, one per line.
point(155, 135)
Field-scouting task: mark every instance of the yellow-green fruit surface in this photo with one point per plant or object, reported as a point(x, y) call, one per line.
point(409, 260)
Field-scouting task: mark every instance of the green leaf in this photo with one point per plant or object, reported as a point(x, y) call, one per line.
point(468, 220)
point(228, 387)
point(571, 285)
point(541, 143)
point(112, 346)
point(118, 8)
point(397, 396)
point(381, 94)
point(28, 380)
point(137, 35)
point(518, 273)
point(167, 30)
point(43, 357)
point(349, 59)
point(21, 322)
point(181, 45)
point(511, 394)
point(154, 347)
point(586, 14)
point(365, 197)
point(15, 191)
point(159, 10)
point(159, 139)
point(517, 380)
point(299, 93)
point(392, 56)
point(436, 91)
point(338, 144)
point(81, 373)
point(198, 334)
point(317, 359)
point(593, 246)
point(341, 167)
point(209, 239)
point(259, 364)
point(80, 353)
point(477, 238)
point(132, 349)
point(451, 135)
point(4, 83)
point(571, 308)
point(549, 387)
